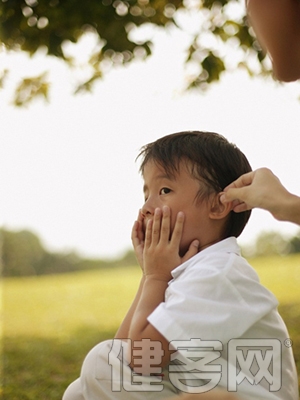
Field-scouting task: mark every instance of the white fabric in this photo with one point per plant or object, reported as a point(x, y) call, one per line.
point(217, 296)
point(96, 378)
point(214, 296)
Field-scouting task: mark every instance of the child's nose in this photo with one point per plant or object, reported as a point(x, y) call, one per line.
point(148, 208)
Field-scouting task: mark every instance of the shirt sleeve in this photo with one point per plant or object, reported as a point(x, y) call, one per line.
point(212, 303)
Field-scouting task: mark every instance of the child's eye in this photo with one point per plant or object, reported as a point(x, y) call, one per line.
point(165, 191)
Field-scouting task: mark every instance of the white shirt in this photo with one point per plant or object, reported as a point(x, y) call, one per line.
point(217, 296)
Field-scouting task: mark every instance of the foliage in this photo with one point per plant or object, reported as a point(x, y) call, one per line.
point(295, 244)
point(23, 254)
point(51, 322)
point(273, 243)
point(21, 250)
point(30, 88)
point(31, 25)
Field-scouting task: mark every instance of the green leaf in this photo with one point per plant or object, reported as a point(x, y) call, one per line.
point(31, 88)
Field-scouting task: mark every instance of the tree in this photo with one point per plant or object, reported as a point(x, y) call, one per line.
point(34, 24)
point(22, 252)
point(272, 243)
point(295, 243)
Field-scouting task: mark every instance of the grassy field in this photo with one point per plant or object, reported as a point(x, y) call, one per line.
point(51, 322)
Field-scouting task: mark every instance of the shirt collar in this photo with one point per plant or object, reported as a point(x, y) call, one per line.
point(228, 245)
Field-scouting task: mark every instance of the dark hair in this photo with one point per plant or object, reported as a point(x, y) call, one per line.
point(210, 157)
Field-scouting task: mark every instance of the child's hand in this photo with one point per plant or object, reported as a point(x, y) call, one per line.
point(138, 237)
point(161, 249)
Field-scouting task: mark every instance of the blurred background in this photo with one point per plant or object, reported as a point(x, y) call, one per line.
point(83, 87)
point(68, 161)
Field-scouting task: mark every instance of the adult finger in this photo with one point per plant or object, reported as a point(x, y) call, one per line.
point(241, 207)
point(235, 195)
point(238, 197)
point(243, 180)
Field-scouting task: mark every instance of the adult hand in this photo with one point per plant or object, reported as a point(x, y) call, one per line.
point(262, 189)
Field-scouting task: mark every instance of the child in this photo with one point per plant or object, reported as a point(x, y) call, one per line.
point(200, 319)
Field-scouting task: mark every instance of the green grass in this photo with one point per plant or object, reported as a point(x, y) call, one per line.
point(51, 322)
point(281, 275)
point(55, 306)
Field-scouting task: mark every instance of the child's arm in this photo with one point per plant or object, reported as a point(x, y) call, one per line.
point(160, 257)
point(123, 330)
point(277, 26)
point(137, 237)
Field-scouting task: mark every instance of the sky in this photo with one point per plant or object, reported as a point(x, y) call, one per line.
point(68, 169)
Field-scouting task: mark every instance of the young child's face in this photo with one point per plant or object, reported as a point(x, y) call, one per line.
point(179, 194)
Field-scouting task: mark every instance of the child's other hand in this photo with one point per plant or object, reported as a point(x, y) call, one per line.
point(161, 248)
point(137, 238)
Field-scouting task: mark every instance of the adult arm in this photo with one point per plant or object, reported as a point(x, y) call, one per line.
point(277, 26)
point(262, 189)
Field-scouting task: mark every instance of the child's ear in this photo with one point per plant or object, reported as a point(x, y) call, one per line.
point(219, 210)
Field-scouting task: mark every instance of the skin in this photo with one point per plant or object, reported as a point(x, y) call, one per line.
point(262, 189)
point(277, 26)
point(160, 236)
point(180, 195)
point(171, 228)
